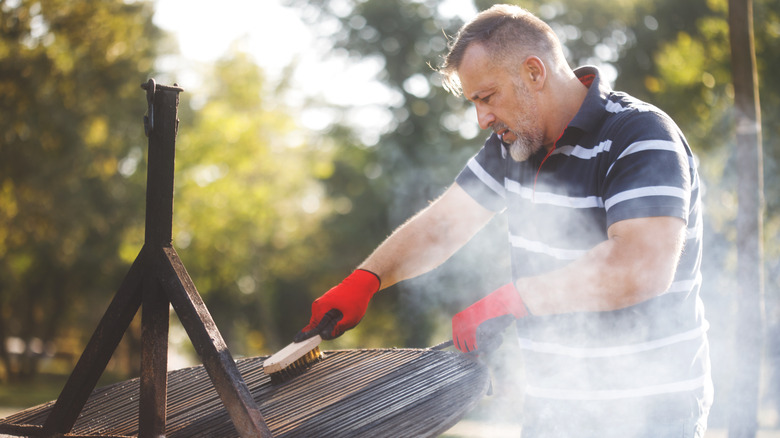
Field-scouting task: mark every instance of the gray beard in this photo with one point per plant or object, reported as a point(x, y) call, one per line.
point(522, 148)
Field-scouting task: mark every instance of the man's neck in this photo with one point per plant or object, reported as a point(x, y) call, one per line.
point(569, 93)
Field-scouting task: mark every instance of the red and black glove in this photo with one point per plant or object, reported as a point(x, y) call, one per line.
point(486, 318)
point(342, 307)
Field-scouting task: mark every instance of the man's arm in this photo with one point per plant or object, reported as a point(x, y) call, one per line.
point(636, 263)
point(422, 243)
point(428, 238)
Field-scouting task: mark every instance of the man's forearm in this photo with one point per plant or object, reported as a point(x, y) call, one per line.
point(413, 249)
point(636, 263)
point(429, 238)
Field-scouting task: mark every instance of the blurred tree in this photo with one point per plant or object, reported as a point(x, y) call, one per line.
point(247, 206)
point(70, 110)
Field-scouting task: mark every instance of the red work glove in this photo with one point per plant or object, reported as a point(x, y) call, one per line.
point(342, 307)
point(501, 303)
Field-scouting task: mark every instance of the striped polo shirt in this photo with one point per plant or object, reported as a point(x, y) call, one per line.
point(619, 158)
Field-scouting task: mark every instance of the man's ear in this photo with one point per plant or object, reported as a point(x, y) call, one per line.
point(536, 71)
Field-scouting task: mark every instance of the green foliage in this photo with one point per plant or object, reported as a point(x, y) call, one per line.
point(247, 213)
point(69, 111)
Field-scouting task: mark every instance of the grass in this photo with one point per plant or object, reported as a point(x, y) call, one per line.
point(43, 388)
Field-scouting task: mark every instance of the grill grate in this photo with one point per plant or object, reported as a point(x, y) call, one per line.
point(377, 393)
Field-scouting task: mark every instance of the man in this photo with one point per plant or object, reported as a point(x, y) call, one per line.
point(605, 230)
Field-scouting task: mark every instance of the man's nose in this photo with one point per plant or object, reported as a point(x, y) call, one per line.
point(485, 118)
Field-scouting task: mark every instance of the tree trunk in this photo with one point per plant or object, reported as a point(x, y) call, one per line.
point(749, 338)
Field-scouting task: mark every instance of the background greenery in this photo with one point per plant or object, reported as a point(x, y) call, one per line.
point(268, 215)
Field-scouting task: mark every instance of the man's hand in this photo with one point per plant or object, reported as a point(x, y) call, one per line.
point(342, 307)
point(478, 323)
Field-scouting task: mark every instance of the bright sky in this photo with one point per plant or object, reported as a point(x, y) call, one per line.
point(276, 36)
point(206, 29)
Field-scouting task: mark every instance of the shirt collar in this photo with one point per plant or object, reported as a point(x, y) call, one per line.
point(593, 108)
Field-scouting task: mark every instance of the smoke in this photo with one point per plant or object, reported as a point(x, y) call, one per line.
point(721, 295)
point(483, 265)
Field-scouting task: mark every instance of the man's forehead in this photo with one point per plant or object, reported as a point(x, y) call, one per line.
point(476, 71)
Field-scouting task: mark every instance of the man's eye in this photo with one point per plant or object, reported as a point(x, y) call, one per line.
point(486, 99)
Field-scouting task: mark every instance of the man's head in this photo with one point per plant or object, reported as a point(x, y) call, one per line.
point(503, 61)
point(509, 33)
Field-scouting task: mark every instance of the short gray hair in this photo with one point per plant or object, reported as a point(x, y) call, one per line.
point(509, 32)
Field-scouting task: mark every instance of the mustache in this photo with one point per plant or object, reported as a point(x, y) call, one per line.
point(501, 127)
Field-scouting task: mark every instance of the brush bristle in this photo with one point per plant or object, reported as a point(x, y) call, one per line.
point(298, 367)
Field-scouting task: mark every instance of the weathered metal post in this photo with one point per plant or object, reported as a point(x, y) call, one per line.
point(161, 126)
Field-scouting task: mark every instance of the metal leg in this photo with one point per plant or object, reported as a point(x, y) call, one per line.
point(209, 344)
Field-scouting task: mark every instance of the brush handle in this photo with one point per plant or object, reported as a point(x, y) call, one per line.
point(442, 345)
point(289, 354)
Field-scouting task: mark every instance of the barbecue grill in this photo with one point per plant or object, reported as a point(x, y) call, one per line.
point(351, 393)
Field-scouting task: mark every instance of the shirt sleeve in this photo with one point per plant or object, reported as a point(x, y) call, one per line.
point(483, 176)
point(650, 174)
